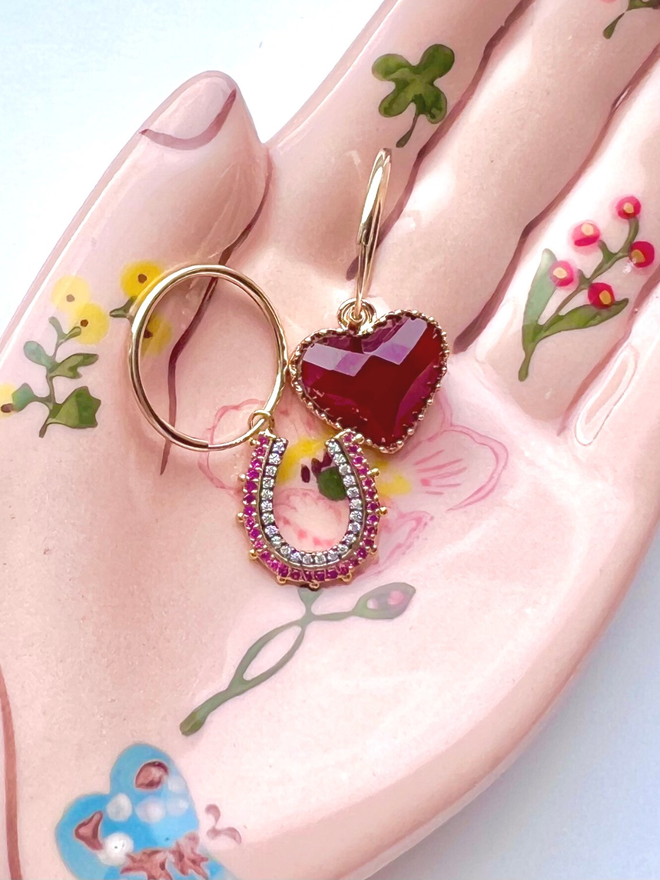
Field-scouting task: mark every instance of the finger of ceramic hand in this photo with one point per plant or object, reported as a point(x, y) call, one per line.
point(409, 68)
point(615, 424)
point(543, 102)
point(186, 186)
point(585, 270)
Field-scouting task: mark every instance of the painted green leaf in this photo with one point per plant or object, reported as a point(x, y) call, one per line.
point(62, 335)
point(330, 484)
point(609, 30)
point(36, 353)
point(581, 317)
point(23, 397)
point(69, 367)
point(414, 84)
point(384, 603)
point(540, 294)
point(78, 410)
point(57, 327)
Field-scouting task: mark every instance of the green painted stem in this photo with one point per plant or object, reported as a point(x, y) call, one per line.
point(406, 137)
point(239, 684)
point(373, 605)
point(632, 4)
point(50, 400)
point(523, 372)
point(123, 311)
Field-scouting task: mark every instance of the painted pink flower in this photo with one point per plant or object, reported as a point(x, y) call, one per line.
point(444, 467)
point(642, 254)
point(628, 206)
point(585, 234)
point(562, 273)
point(601, 295)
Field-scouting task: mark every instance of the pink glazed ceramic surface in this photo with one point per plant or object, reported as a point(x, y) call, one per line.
point(331, 730)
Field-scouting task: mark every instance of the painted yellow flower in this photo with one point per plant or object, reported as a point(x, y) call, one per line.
point(70, 293)
point(157, 335)
point(392, 480)
point(137, 279)
point(6, 400)
point(304, 449)
point(93, 323)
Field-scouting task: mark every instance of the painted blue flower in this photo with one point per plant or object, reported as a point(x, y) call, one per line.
point(145, 828)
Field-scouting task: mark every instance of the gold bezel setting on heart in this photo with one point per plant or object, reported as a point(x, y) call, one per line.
point(366, 329)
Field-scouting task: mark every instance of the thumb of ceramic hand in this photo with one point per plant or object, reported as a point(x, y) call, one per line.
point(183, 189)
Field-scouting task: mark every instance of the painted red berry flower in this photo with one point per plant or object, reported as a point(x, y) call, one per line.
point(642, 254)
point(628, 207)
point(601, 295)
point(585, 233)
point(562, 273)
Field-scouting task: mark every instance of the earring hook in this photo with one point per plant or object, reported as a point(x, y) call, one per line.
point(368, 230)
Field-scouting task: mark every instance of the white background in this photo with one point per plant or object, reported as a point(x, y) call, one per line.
point(77, 78)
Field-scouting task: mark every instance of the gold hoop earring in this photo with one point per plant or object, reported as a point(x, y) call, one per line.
point(138, 329)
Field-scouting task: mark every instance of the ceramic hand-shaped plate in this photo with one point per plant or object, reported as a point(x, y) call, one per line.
point(332, 729)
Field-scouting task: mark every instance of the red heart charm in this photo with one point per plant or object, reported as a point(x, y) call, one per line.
point(377, 381)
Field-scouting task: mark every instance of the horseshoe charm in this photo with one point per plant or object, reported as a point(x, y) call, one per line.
point(298, 566)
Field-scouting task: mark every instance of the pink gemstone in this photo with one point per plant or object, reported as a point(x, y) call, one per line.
point(361, 553)
point(249, 500)
point(251, 486)
point(253, 474)
point(309, 576)
point(372, 519)
point(295, 574)
point(283, 569)
point(362, 469)
point(273, 564)
point(353, 448)
point(332, 574)
point(259, 545)
point(343, 568)
point(255, 534)
point(369, 544)
point(265, 556)
point(320, 576)
point(373, 506)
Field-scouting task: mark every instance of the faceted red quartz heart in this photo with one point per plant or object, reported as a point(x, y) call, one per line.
point(377, 383)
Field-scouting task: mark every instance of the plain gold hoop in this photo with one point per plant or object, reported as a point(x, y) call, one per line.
point(261, 417)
